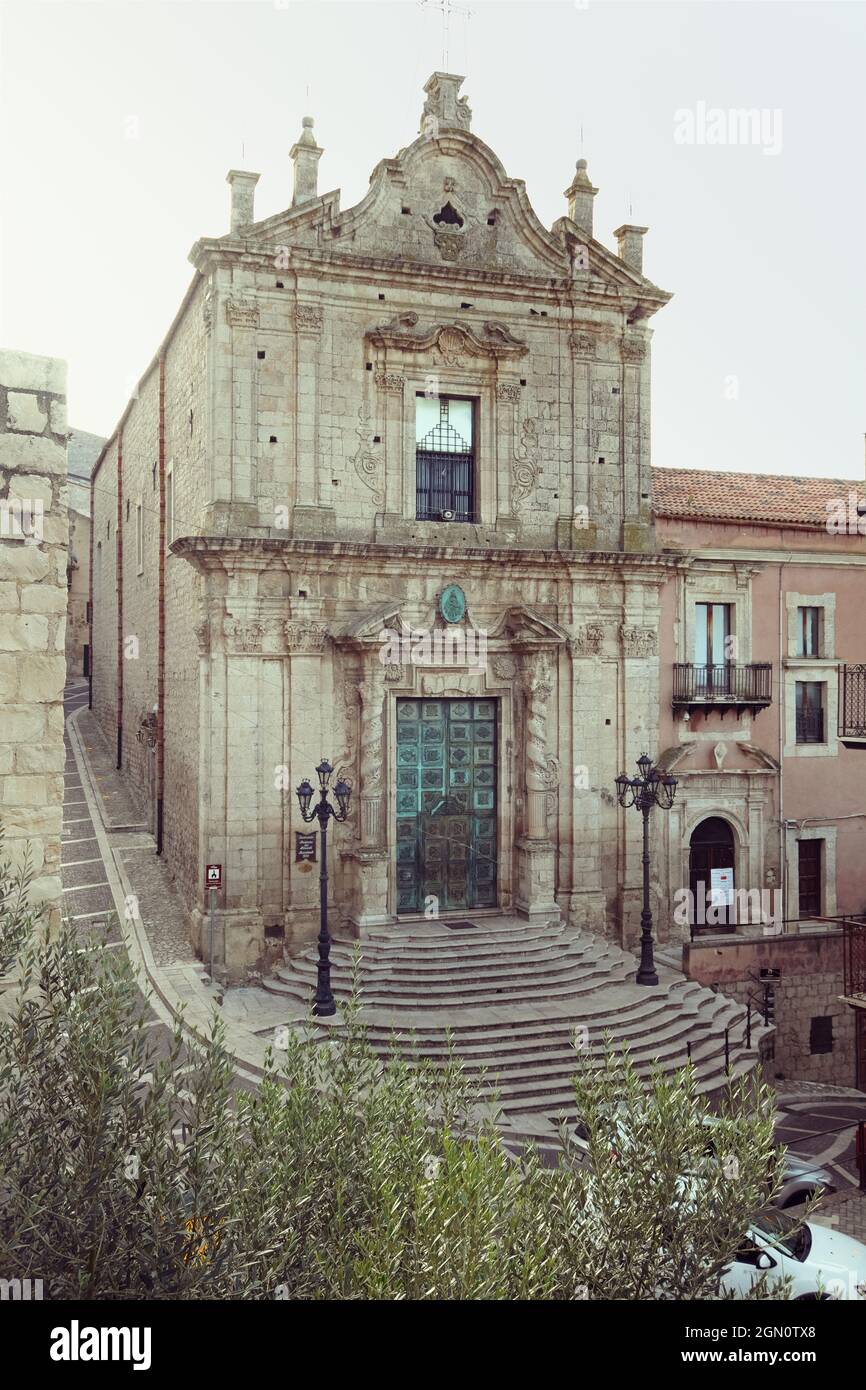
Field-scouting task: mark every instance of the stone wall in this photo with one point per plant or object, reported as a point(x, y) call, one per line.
point(33, 551)
point(134, 453)
point(77, 622)
point(809, 986)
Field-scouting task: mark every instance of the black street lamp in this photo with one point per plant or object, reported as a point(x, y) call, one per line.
point(324, 1005)
point(651, 788)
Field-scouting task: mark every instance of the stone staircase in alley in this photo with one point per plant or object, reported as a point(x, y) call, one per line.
point(511, 995)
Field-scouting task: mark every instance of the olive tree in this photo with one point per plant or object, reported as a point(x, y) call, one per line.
point(131, 1168)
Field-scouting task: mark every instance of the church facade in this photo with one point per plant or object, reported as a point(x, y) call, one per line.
point(383, 496)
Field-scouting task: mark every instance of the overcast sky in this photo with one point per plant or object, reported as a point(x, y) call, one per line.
point(120, 121)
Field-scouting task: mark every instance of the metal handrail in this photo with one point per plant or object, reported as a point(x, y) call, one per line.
point(728, 683)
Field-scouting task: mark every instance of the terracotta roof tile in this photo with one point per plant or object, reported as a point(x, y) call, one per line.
point(756, 497)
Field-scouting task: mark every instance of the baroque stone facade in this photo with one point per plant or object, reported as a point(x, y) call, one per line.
point(33, 558)
point(281, 522)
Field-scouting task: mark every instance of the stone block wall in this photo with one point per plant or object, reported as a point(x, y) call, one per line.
point(33, 553)
point(104, 624)
point(186, 406)
point(77, 623)
point(809, 986)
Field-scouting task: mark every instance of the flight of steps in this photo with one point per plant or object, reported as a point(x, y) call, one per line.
point(511, 995)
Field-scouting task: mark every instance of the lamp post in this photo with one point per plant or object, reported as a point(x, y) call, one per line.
point(324, 1005)
point(651, 788)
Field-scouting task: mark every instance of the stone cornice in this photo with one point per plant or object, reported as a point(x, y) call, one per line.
point(210, 253)
point(247, 551)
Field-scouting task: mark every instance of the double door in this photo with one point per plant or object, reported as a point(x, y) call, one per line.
point(446, 804)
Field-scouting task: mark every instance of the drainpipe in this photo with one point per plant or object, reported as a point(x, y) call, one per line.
point(119, 586)
point(160, 668)
point(90, 594)
point(783, 860)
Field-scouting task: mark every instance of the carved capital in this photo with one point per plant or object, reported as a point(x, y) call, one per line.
point(242, 313)
point(582, 344)
point(305, 636)
point(633, 349)
point(308, 317)
point(508, 391)
point(638, 641)
point(589, 639)
point(247, 636)
point(392, 382)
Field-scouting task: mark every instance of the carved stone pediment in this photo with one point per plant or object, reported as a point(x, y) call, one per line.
point(521, 627)
point(406, 334)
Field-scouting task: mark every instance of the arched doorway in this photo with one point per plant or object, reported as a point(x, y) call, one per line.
point(711, 848)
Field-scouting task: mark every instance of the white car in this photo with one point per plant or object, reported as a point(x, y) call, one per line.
point(820, 1263)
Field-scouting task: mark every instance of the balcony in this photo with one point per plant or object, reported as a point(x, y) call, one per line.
point(852, 706)
point(810, 726)
point(855, 957)
point(722, 687)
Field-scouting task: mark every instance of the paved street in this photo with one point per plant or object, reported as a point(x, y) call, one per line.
point(90, 899)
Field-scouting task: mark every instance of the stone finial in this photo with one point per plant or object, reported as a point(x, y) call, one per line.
point(580, 194)
point(305, 156)
point(243, 186)
point(444, 106)
point(630, 245)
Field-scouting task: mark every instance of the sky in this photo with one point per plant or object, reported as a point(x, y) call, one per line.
point(121, 118)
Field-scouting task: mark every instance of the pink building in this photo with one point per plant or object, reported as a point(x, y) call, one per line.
point(762, 655)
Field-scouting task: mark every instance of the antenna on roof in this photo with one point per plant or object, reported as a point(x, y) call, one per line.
point(448, 7)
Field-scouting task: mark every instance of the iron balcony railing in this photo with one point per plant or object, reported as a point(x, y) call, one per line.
point(855, 957)
point(725, 684)
point(852, 701)
point(810, 726)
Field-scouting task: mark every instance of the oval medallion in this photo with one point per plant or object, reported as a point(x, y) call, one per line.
point(452, 603)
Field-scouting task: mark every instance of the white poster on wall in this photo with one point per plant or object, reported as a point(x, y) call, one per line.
point(721, 887)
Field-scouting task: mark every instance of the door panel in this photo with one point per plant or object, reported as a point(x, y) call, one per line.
point(712, 847)
point(446, 804)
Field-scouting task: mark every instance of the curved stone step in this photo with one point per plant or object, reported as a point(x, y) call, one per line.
point(506, 998)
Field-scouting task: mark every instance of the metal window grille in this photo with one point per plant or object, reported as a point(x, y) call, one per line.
point(444, 473)
point(852, 714)
point(810, 713)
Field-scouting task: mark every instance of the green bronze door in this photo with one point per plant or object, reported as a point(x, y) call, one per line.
point(446, 804)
